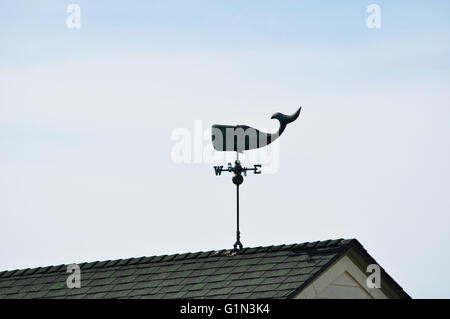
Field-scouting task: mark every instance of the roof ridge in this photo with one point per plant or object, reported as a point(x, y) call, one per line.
point(178, 256)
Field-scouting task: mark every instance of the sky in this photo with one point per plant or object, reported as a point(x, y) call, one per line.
point(89, 120)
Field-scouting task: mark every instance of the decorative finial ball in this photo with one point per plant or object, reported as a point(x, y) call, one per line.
point(238, 179)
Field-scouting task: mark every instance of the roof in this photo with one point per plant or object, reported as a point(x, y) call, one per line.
point(261, 272)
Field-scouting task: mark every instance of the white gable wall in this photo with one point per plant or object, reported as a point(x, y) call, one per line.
point(342, 280)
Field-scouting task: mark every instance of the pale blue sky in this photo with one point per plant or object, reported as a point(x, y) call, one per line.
point(86, 118)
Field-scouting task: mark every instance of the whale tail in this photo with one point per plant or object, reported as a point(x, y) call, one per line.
point(285, 119)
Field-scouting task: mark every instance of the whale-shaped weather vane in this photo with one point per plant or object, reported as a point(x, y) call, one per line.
point(240, 138)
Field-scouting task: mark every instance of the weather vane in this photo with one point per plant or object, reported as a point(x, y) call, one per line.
point(240, 138)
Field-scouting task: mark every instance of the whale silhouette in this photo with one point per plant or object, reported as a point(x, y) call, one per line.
point(241, 138)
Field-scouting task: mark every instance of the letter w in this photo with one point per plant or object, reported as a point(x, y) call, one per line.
point(218, 170)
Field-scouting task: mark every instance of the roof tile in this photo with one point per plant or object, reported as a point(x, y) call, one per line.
point(260, 272)
point(88, 265)
point(135, 261)
point(275, 248)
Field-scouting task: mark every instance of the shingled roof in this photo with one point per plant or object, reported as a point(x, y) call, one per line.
point(261, 272)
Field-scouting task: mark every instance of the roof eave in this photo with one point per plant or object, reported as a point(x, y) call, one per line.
point(356, 252)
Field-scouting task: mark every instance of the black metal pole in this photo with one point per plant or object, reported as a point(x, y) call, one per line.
point(237, 179)
point(238, 234)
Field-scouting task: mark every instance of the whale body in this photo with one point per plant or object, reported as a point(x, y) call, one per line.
point(239, 138)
